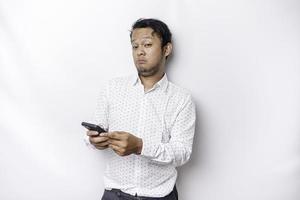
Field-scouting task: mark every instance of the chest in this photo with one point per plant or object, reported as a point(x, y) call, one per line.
point(145, 115)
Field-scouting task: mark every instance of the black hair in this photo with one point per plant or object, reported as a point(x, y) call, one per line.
point(159, 27)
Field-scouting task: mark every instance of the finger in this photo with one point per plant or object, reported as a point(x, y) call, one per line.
point(118, 143)
point(115, 148)
point(104, 134)
point(102, 145)
point(97, 139)
point(115, 135)
point(101, 148)
point(92, 133)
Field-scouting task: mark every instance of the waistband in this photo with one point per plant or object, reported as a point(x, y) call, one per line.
point(119, 193)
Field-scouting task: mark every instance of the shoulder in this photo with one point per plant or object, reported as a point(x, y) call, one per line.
point(179, 97)
point(120, 81)
point(179, 92)
point(179, 100)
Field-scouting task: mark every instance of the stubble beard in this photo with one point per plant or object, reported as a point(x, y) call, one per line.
point(148, 72)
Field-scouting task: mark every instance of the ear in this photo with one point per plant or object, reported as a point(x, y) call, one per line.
point(168, 49)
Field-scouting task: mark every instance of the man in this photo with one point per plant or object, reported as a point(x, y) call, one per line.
point(150, 122)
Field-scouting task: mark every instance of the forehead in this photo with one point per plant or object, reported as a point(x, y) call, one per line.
point(143, 33)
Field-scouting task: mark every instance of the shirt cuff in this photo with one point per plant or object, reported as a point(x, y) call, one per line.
point(147, 149)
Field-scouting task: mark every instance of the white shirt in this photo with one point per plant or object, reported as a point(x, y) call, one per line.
point(164, 117)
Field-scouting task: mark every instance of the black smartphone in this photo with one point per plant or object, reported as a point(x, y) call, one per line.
point(93, 127)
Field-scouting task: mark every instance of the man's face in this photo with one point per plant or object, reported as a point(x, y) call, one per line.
point(146, 51)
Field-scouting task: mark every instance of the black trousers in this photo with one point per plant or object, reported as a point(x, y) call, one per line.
point(116, 194)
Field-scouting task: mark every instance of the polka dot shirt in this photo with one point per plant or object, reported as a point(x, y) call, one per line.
point(163, 117)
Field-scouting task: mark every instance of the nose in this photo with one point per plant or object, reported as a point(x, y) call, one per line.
point(140, 51)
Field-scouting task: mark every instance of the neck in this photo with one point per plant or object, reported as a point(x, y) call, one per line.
point(149, 81)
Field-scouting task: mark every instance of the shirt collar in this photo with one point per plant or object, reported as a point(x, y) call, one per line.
point(162, 83)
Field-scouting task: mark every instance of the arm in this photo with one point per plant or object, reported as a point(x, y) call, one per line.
point(179, 148)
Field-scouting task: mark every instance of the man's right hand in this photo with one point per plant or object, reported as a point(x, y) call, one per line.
point(100, 142)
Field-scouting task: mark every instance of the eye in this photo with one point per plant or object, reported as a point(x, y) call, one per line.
point(134, 46)
point(148, 45)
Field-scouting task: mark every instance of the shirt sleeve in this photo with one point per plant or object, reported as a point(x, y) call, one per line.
point(101, 113)
point(179, 148)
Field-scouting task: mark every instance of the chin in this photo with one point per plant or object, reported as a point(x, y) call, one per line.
point(146, 73)
point(142, 71)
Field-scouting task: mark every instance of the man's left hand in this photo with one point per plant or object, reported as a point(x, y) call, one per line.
point(124, 143)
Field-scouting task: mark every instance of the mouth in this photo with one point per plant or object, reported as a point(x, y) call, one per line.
point(141, 61)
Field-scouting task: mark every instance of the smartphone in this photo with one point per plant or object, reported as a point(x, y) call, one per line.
point(93, 127)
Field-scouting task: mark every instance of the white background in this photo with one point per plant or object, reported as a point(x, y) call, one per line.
point(240, 60)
